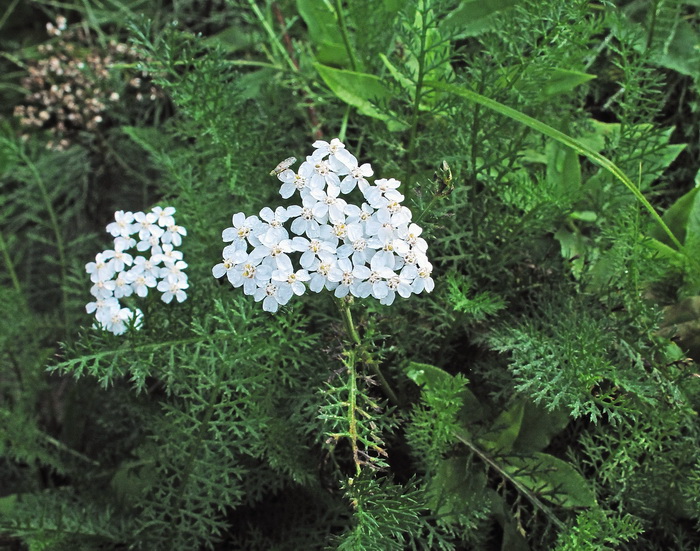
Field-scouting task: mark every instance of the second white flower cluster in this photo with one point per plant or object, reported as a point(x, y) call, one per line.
point(368, 250)
point(116, 274)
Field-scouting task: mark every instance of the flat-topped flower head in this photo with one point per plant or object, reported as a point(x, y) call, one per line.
point(118, 274)
point(366, 249)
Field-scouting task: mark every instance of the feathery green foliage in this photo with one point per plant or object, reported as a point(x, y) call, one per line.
point(543, 396)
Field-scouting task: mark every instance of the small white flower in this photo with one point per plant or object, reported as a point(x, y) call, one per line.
point(164, 216)
point(319, 174)
point(101, 304)
point(288, 277)
point(398, 283)
point(103, 289)
point(118, 320)
point(173, 288)
point(329, 204)
point(124, 243)
point(273, 295)
point(324, 148)
point(120, 259)
point(275, 231)
point(152, 243)
point(354, 173)
point(243, 228)
point(122, 286)
point(122, 225)
point(291, 182)
point(349, 277)
point(173, 234)
point(174, 270)
point(103, 267)
point(141, 282)
point(311, 248)
point(322, 268)
point(233, 255)
point(146, 225)
point(412, 237)
point(424, 282)
point(169, 254)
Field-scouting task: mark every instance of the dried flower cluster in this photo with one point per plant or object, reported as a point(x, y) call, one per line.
point(71, 88)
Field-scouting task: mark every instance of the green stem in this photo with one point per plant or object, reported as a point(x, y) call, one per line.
point(429, 206)
point(416, 109)
point(514, 481)
point(652, 25)
point(344, 124)
point(274, 39)
point(8, 12)
point(55, 227)
point(352, 409)
point(10, 266)
point(365, 355)
point(344, 34)
point(564, 139)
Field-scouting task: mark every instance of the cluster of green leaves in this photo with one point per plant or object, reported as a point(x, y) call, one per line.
point(544, 396)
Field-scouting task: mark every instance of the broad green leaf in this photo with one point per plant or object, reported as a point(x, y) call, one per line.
point(682, 54)
point(584, 216)
point(683, 218)
point(563, 81)
point(356, 89)
point(231, 39)
point(320, 19)
point(682, 322)
point(550, 479)
point(538, 427)
point(563, 169)
point(474, 17)
point(505, 429)
point(573, 249)
point(455, 489)
point(543, 84)
point(562, 138)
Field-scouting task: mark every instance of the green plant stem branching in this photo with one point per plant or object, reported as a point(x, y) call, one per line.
point(274, 39)
point(568, 141)
point(522, 489)
point(55, 228)
point(364, 355)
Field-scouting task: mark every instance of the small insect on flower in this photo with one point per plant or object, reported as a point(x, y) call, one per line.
point(284, 165)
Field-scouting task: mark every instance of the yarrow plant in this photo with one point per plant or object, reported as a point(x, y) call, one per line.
point(117, 274)
point(370, 249)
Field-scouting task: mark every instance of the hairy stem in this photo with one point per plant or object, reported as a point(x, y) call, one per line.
point(365, 355)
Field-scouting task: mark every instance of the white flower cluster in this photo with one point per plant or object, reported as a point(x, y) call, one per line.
point(116, 274)
point(367, 250)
